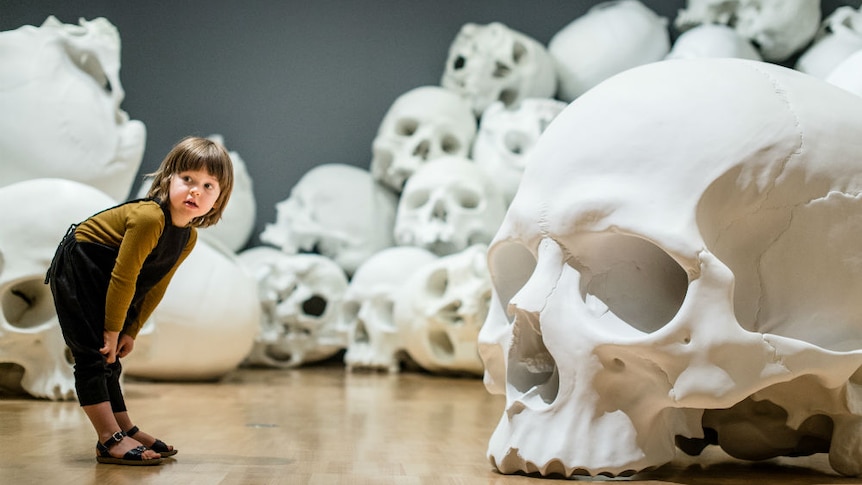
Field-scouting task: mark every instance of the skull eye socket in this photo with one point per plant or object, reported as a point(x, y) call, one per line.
point(314, 306)
point(510, 266)
point(519, 52)
point(631, 278)
point(450, 144)
point(437, 283)
point(350, 310)
point(417, 199)
point(27, 304)
point(406, 126)
point(467, 198)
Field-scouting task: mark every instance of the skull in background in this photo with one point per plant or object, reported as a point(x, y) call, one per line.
point(778, 28)
point(373, 340)
point(505, 137)
point(712, 40)
point(62, 82)
point(490, 63)
point(300, 295)
point(610, 38)
point(447, 205)
point(848, 74)
point(335, 210)
point(34, 216)
point(440, 310)
point(680, 261)
point(423, 124)
point(840, 35)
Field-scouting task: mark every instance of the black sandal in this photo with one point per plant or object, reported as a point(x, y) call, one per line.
point(134, 457)
point(158, 446)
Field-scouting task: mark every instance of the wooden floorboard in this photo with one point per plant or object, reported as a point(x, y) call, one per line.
point(316, 425)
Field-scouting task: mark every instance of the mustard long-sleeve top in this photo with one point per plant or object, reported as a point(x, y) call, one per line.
point(142, 234)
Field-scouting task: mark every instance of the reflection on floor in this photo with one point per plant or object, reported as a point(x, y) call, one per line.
point(316, 425)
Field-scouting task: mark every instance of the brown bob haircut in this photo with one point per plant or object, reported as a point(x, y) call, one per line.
point(196, 153)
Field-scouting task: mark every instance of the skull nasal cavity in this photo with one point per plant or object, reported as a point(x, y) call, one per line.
point(314, 306)
point(27, 304)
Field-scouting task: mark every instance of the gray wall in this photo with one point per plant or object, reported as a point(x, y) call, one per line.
point(289, 84)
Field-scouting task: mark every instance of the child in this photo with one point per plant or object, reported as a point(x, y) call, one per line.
point(111, 271)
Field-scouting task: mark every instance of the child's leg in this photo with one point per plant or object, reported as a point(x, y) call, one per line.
point(121, 415)
point(102, 418)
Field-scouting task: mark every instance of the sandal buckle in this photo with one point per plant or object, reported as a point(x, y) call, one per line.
point(118, 436)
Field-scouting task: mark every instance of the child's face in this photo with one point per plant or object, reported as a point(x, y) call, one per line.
point(193, 194)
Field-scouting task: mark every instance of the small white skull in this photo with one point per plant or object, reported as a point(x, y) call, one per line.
point(373, 340)
point(490, 63)
point(448, 205)
point(300, 295)
point(610, 38)
point(34, 216)
point(61, 85)
point(683, 251)
point(506, 136)
point(712, 40)
point(205, 324)
point(840, 35)
point(424, 123)
point(335, 210)
point(777, 28)
point(441, 309)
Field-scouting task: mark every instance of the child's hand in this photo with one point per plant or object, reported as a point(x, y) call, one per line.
point(125, 346)
point(109, 350)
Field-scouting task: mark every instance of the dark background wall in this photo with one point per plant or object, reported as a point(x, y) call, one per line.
point(290, 84)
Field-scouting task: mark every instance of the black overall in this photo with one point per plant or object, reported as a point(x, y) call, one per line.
point(79, 277)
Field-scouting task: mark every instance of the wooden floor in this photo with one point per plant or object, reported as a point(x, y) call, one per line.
point(317, 425)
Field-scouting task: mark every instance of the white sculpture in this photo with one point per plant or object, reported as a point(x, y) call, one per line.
point(60, 96)
point(447, 205)
point(610, 38)
point(778, 28)
point(300, 296)
point(685, 242)
point(206, 323)
point(440, 310)
point(848, 74)
point(237, 223)
point(373, 339)
point(506, 136)
point(840, 35)
point(335, 210)
point(494, 63)
point(712, 40)
point(34, 216)
point(422, 124)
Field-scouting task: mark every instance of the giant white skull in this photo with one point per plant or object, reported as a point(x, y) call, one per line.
point(506, 136)
point(778, 28)
point(440, 310)
point(206, 323)
point(490, 63)
point(684, 243)
point(448, 205)
point(60, 96)
point(839, 37)
point(34, 216)
point(610, 38)
point(300, 296)
point(373, 340)
point(335, 210)
point(422, 124)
